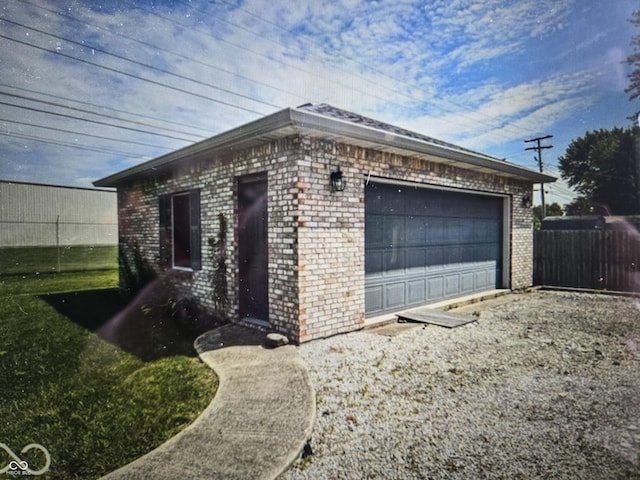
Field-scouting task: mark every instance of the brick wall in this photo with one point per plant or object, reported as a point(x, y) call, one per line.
point(331, 232)
point(331, 245)
point(521, 239)
point(316, 236)
point(216, 179)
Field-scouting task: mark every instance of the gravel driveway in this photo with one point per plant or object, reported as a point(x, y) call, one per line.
point(544, 385)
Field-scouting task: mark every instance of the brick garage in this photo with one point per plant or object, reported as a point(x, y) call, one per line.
point(300, 257)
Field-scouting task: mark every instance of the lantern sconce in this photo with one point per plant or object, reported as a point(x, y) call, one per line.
point(337, 181)
point(526, 201)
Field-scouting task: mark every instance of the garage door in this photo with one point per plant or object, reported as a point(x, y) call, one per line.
point(424, 245)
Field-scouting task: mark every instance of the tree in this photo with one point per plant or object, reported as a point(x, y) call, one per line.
point(602, 168)
point(553, 210)
point(580, 206)
point(634, 61)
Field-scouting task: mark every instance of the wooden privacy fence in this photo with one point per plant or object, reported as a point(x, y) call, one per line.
point(597, 259)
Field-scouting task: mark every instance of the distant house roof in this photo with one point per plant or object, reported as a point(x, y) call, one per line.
point(331, 123)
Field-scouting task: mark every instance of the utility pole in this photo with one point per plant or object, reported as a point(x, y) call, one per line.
point(636, 152)
point(539, 147)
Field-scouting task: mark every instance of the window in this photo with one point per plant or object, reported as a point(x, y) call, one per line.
point(180, 230)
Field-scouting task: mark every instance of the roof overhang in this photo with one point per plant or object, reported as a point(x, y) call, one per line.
point(291, 121)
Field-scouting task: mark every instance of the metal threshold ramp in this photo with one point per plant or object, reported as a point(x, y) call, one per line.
point(435, 317)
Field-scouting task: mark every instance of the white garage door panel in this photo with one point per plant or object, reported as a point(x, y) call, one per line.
point(424, 245)
point(417, 290)
point(395, 293)
point(373, 299)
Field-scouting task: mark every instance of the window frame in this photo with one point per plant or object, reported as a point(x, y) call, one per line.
point(167, 224)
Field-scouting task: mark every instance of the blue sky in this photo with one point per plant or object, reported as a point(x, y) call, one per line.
point(90, 87)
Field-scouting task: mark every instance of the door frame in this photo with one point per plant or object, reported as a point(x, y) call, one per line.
point(248, 311)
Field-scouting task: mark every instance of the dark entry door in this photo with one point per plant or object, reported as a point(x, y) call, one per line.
point(253, 248)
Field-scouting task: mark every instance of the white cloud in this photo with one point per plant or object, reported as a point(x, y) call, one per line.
point(422, 64)
point(482, 31)
point(493, 114)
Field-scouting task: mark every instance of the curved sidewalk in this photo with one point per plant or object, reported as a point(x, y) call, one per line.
point(255, 427)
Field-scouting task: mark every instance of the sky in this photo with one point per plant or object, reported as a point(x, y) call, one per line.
point(91, 87)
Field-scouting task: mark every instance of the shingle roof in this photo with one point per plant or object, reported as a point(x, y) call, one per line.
point(332, 123)
point(334, 112)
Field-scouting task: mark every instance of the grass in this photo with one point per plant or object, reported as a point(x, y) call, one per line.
point(94, 406)
point(28, 260)
point(39, 283)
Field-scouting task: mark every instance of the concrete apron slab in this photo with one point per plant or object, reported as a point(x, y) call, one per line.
point(255, 427)
point(455, 303)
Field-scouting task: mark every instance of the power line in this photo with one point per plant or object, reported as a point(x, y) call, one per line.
point(131, 75)
point(561, 195)
point(560, 185)
point(171, 52)
point(162, 70)
point(70, 145)
point(97, 122)
point(551, 188)
point(397, 80)
point(105, 107)
point(91, 112)
point(82, 134)
point(369, 66)
point(561, 189)
point(141, 64)
point(237, 46)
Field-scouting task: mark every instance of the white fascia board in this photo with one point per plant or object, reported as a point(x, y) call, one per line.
point(338, 127)
point(313, 123)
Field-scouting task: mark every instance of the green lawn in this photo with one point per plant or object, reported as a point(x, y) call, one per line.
point(41, 283)
point(93, 406)
point(28, 260)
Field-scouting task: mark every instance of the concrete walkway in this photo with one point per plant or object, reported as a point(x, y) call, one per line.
point(255, 427)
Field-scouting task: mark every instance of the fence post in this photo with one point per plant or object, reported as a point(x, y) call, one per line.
point(58, 241)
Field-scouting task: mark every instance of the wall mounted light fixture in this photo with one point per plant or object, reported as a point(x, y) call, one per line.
point(337, 181)
point(526, 201)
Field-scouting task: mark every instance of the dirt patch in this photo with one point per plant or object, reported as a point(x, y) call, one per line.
point(150, 326)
